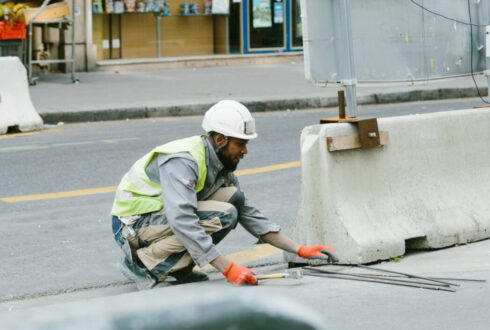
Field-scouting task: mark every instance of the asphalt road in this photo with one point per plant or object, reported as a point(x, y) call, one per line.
point(55, 245)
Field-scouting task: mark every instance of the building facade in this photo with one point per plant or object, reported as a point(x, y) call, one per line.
point(135, 29)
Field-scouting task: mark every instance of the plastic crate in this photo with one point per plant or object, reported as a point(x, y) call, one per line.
point(10, 31)
point(11, 48)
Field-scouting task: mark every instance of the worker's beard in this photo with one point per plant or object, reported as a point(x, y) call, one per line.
point(227, 162)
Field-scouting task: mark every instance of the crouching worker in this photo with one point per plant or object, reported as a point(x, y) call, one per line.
point(181, 199)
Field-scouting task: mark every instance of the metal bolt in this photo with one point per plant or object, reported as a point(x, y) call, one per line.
point(372, 135)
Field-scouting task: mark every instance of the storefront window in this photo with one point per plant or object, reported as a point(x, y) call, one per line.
point(162, 28)
point(153, 28)
point(266, 23)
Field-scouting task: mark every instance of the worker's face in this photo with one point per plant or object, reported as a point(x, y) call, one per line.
point(231, 154)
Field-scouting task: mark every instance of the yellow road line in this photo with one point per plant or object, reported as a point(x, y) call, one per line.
point(21, 134)
point(93, 191)
point(69, 144)
point(257, 252)
point(11, 136)
point(119, 140)
point(55, 145)
point(270, 168)
point(28, 147)
point(62, 194)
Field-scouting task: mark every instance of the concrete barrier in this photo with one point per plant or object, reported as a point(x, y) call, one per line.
point(16, 109)
point(182, 307)
point(428, 188)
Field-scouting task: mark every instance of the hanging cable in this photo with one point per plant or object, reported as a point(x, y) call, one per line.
point(445, 17)
point(471, 55)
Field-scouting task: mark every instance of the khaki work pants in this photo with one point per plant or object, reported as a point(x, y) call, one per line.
point(162, 252)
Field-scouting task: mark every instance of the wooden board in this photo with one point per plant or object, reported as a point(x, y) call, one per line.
point(97, 34)
point(187, 35)
point(347, 142)
point(180, 35)
point(219, 34)
point(138, 35)
point(100, 32)
point(50, 12)
point(115, 38)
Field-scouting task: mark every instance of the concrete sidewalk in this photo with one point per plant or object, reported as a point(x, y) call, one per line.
point(342, 304)
point(190, 91)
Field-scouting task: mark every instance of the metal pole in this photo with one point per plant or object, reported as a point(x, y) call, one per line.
point(349, 80)
point(29, 55)
point(73, 79)
point(88, 31)
point(483, 14)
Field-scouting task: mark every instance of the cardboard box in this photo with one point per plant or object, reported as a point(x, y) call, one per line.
point(50, 12)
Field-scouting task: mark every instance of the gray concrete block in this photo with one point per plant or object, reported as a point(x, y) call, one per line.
point(428, 188)
point(16, 109)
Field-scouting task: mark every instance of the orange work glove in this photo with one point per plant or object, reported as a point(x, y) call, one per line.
point(239, 275)
point(317, 252)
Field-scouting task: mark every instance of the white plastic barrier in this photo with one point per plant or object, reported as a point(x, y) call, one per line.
point(16, 108)
point(428, 188)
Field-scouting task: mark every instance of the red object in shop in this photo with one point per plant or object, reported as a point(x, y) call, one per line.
point(10, 31)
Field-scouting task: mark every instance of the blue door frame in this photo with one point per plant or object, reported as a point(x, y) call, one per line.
point(287, 19)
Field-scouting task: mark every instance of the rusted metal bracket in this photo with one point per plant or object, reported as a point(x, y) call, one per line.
point(369, 135)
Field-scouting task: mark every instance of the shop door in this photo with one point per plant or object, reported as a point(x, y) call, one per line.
point(266, 26)
point(234, 24)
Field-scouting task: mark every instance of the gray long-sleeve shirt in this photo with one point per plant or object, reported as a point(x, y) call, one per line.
point(178, 175)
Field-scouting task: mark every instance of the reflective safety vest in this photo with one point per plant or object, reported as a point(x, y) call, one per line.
point(137, 194)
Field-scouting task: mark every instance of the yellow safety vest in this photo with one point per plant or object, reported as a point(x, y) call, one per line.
point(137, 194)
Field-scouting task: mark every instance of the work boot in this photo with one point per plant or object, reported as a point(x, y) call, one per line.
point(193, 276)
point(140, 276)
point(187, 275)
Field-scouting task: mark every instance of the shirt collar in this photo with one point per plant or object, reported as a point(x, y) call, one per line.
point(212, 156)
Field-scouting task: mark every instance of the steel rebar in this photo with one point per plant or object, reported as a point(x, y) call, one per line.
point(374, 276)
point(380, 281)
point(406, 274)
point(435, 278)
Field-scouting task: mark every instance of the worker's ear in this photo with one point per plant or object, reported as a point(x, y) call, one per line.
point(219, 140)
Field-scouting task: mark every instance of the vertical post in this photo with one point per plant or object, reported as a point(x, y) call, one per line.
point(483, 15)
point(341, 104)
point(227, 33)
point(88, 32)
point(29, 54)
point(73, 79)
point(349, 80)
point(159, 44)
point(110, 36)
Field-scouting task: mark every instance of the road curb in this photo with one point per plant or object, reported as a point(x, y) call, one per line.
point(200, 61)
point(257, 106)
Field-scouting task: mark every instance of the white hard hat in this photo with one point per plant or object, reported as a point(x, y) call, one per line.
point(230, 118)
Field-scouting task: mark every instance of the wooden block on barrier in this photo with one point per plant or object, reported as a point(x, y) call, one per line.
point(347, 142)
